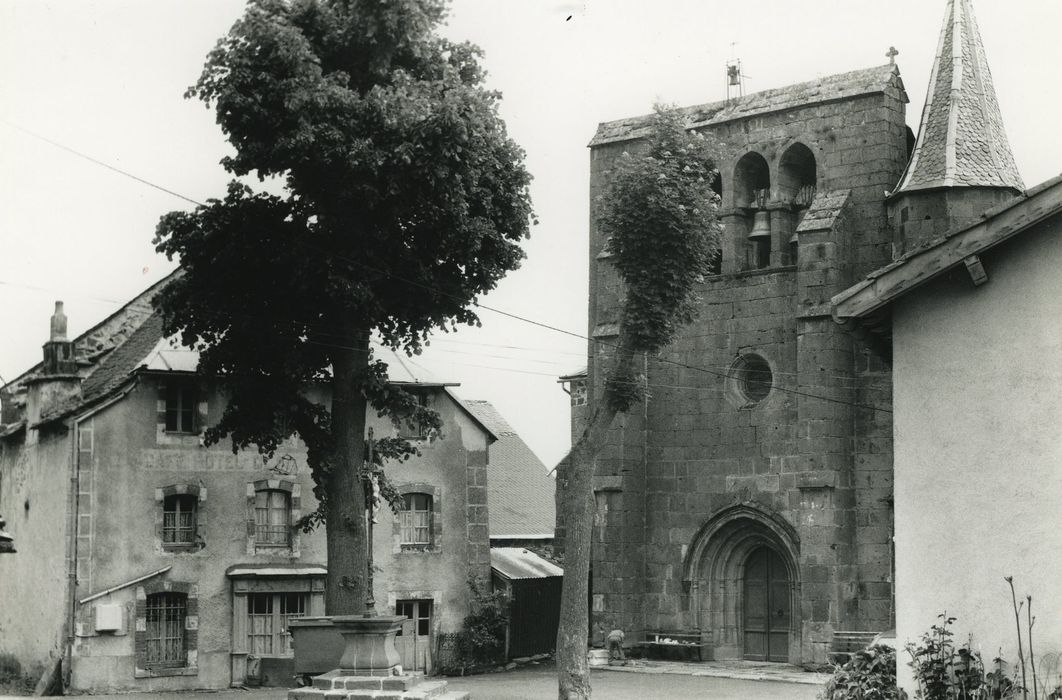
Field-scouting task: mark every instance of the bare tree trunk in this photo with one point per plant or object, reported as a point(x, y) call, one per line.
point(346, 583)
point(576, 486)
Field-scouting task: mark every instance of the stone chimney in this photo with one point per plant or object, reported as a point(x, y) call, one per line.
point(58, 381)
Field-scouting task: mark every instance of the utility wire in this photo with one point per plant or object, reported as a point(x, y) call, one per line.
point(100, 163)
point(501, 312)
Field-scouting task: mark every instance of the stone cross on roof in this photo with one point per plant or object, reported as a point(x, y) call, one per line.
point(891, 54)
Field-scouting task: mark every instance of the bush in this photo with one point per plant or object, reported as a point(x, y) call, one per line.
point(13, 681)
point(870, 674)
point(944, 672)
point(481, 641)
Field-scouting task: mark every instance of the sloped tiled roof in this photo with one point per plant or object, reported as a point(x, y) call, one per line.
point(961, 141)
point(827, 89)
point(519, 491)
point(168, 355)
point(115, 369)
point(824, 210)
point(93, 345)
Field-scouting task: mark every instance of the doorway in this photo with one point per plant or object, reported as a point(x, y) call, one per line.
point(414, 639)
point(767, 606)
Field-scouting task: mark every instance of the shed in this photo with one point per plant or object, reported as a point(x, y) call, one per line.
point(533, 585)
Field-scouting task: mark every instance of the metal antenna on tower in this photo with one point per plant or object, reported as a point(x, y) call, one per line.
point(735, 78)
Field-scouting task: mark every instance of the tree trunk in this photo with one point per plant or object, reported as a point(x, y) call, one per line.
point(346, 582)
point(576, 486)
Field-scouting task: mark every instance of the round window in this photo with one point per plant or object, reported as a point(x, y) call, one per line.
point(752, 378)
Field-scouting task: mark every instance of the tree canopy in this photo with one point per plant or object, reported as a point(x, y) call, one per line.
point(403, 199)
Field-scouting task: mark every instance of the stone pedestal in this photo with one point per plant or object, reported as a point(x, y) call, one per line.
point(370, 644)
point(371, 667)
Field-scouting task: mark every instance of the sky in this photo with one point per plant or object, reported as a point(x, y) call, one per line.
point(106, 78)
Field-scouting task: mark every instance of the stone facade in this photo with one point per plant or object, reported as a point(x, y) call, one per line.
point(768, 425)
point(94, 494)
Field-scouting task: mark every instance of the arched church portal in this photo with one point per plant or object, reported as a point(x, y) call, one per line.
point(744, 584)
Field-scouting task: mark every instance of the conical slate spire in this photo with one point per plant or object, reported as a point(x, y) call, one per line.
point(961, 141)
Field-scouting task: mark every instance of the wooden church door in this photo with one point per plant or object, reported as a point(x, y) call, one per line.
point(767, 607)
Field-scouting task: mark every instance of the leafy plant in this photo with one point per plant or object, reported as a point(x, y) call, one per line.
point(13, 680)
point(945, 672)
point(870, 674)
point(481, 640)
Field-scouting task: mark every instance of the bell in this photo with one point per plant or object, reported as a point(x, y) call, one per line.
point(761, 225)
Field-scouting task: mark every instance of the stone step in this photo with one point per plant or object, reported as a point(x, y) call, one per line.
point(393, 689)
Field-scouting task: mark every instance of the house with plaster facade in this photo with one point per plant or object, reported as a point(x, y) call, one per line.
point(148, 561)
point(968, 316)
point(750, 499)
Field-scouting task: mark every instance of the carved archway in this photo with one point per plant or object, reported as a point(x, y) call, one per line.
point(714, 569)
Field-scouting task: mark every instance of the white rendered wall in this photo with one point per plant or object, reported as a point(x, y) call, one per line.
point(978, 449)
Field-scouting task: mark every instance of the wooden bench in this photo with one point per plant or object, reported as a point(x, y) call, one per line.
point(688, 644)
point(847, 642)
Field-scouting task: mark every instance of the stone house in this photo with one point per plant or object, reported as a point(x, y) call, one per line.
point(750, 498)
point(150, 562)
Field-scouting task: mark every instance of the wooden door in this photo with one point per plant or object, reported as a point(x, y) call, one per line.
point(414, 641)
point(767, 611)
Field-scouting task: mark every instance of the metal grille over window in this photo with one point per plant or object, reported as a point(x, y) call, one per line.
point(269, 615)
point(179, 520)
point(272, 518)
point(165, 630)
point(181, 408)
point(416, 518)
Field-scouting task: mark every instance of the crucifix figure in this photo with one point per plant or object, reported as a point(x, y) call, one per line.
point(892, 53)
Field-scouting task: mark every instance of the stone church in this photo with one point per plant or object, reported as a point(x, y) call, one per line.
point(750, 499)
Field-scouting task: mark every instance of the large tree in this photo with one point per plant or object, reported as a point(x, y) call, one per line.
point(403, 199)
point(658, 213)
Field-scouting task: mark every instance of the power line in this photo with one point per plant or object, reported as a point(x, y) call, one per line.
point(392, 275)
point(89, 158)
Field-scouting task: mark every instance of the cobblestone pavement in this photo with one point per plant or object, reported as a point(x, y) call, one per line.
point(540, 683)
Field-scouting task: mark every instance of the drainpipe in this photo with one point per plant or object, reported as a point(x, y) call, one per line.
point(73, 504)
point(71, 550)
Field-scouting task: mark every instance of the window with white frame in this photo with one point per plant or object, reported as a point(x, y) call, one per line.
point(416, 519)
point(179, 513)
point(268, 615)
point(272, 518)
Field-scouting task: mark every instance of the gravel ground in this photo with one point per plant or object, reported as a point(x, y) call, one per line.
point(540, 683)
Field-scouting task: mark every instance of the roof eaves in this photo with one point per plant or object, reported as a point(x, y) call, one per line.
point(490, 433)
point(824, 90)
point(914, 269)
point(157, 285)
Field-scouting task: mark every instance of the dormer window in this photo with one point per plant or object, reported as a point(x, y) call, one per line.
point(181, 403)
point(412, 429)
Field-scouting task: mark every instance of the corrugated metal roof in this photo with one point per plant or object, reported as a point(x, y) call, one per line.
point(516, 563)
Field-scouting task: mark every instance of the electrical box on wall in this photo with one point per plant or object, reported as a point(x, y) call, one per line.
point(109, 617)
